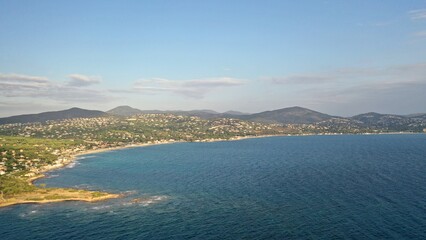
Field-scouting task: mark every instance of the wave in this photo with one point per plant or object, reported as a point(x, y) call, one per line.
point(146, 201)
point(52, 176)
point(32, 212)
point(102, 207)
point(83, 186)
point(72, 165)
point(129, 192)
point(85, 157)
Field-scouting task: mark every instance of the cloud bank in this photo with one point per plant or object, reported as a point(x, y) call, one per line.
point(13, 78)
point(24, 86)
point(399, 73)
point(395, 89)
point(419, 14)
point(195, 88)
point(79, 80)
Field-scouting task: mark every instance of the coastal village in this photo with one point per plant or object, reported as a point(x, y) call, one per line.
point(27, 150)
point(33, 148)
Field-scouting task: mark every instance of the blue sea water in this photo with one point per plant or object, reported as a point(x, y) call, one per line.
point(312, 187)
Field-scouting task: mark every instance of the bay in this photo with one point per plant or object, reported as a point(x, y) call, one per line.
point(307, 187)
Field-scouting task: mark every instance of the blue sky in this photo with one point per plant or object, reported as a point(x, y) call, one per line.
point(339, 57)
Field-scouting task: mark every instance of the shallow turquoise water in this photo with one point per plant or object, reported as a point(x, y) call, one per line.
point(316, 187)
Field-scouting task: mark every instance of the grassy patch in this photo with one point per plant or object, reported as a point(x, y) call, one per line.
point(98, 194)
point(35, 199)
point(56, 197)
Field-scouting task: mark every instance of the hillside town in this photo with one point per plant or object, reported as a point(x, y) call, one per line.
point(31, 148)
point(36, 147)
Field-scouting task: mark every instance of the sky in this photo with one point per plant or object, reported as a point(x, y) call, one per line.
point(338, 57)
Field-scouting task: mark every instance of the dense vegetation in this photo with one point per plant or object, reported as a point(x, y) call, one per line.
point(11, 185)
point(26, 148)
point(19, 154)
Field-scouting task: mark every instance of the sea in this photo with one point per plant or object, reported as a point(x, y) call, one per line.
point(296, 187)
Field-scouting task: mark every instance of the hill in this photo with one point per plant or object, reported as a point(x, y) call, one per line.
point(127, 111)
point(205, 114)
point(389, 121)
point(124, 111)
point(234, 113)
point(55, 115)
point(291, 115)
point(419, 116)
point(294, 115)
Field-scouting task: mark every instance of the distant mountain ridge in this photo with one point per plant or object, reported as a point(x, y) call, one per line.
point(235, 113)
point(124, 111)
point(290, 115)
point(54, 115)
point(129, 111)
point(389, 121)
point(293, 115)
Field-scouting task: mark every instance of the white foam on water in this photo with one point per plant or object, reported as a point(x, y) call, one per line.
point(101, 207)
point(85, 157)
point(146, 201)
point(28, 214)
point(159, 198)
point(83, 186)
point(73, 164)
point(130, 192)
point(52, 176)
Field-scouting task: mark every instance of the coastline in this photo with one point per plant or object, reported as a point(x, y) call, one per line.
point(40, 196)
point(76, 156)
point(53, 195)
point(11, 203)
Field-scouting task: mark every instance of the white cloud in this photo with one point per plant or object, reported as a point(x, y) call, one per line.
point(394, 89)
point(419, 14)
point(404, 73)
point(195, 88)
point(79, 80)
point(213, 82)
point(24, 86)
point(14, 84)
point(322, 77)
point(300, 79)
point(384, 97)
point(23, 79)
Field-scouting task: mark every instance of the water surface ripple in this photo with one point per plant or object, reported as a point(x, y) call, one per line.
point(316, 187)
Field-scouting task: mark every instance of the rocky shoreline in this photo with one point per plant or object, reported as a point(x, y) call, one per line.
point(52, 195)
